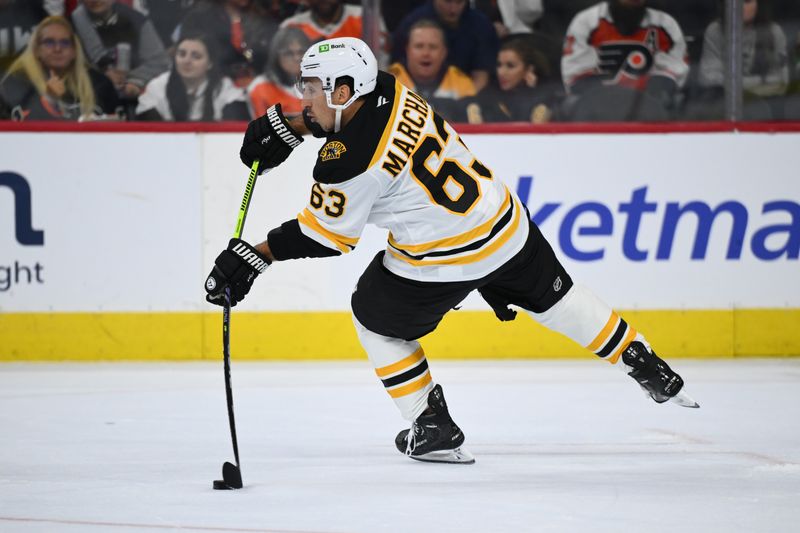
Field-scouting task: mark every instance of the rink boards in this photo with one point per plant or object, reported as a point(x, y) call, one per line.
point(107, 237)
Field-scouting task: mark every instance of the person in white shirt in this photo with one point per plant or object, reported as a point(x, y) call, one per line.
point(193, 89)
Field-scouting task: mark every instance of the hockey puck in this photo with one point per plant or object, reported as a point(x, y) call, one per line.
point(221, 485)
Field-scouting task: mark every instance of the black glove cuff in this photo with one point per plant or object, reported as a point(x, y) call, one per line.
point(241, 253)
point(282, 128)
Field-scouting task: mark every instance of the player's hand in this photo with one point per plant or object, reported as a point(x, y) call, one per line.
point(237, 268)
point(270, 139)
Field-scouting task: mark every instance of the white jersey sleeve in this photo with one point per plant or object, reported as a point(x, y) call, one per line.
point(337, 213)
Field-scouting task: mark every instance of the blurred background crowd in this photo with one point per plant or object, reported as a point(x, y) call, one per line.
point(479, 61)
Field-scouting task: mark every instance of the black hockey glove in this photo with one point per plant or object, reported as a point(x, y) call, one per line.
point(270, 139)
point(237, 268)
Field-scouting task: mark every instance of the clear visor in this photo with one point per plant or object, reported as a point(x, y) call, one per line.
point(309, 88)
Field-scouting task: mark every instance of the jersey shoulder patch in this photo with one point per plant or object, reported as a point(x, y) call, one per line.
point(348, 153)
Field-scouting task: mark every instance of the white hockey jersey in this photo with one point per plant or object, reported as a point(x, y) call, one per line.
point(595, 47)
point(400, 166)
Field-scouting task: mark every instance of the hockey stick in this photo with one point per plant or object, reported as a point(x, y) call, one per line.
point(232, 474)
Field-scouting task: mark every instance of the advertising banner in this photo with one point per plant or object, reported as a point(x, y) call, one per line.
point(106, 239)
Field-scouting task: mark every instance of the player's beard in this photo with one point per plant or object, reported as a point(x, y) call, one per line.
point(314, 127)
point(626, 18)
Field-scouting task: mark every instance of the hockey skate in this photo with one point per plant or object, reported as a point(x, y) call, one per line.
point(655, 377)
point(434, 437)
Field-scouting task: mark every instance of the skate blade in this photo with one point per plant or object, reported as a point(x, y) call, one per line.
point(684, 400)
point(457, 456)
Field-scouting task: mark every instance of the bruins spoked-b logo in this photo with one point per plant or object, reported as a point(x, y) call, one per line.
point(332, 150)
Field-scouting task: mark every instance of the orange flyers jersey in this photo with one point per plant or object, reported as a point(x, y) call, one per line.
point(594, 47)
point(264, 93)
point(348, 26)
point(398, 165)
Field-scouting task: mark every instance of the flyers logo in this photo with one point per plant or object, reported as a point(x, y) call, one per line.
point(633, 59)
point(332, 150)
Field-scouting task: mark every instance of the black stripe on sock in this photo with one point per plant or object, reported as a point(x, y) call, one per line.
point(407, 375)
point(615, 338)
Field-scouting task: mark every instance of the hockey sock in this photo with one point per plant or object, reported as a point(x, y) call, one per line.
point(587, 320)
point(402, 367)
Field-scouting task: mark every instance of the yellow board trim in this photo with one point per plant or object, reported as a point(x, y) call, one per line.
point(330, 336)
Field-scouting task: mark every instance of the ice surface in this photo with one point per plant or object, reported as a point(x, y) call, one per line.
point(561, 446)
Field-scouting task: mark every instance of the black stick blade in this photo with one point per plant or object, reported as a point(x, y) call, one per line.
point(232, 475)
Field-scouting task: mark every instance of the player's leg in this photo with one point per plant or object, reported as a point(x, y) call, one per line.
point(389, 314)
point(537, 282)
point(584, 318)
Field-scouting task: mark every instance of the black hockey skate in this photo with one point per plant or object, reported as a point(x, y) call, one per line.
point(655, 377)
point(434, 437)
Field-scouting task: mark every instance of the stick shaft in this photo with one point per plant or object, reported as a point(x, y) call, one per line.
point(248, 194)
point(226, 357)
point(226, 310)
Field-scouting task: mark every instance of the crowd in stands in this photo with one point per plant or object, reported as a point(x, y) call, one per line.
point(476, 61)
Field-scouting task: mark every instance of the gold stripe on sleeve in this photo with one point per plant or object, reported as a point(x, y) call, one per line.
point(344, 244)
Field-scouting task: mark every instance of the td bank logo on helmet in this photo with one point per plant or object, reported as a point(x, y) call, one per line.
point(728, 225)
point(329, 46)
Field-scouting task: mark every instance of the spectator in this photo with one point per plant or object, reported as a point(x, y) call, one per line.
point(516, 96)
point(765, 69)
point(518, 16)
point(623, 61)
point(240, 31)
point(427, 72)
point(327, 19)
point(17, 20)
point(276, 84)
point(193, 90)
point(51, 79)
point(122, 43)
point(470, 37)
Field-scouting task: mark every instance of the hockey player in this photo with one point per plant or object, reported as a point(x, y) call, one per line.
point(390, 160)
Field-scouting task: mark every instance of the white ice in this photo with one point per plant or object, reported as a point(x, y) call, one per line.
point(561, 446)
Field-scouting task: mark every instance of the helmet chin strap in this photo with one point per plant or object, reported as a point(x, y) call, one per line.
point(338, 108)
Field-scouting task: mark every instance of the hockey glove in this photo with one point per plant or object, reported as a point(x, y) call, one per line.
point(270, 139)
point(237, 268)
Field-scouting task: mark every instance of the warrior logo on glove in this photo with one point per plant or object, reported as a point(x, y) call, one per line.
point(237, 268)
point(270, 139)
point(246, 252)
